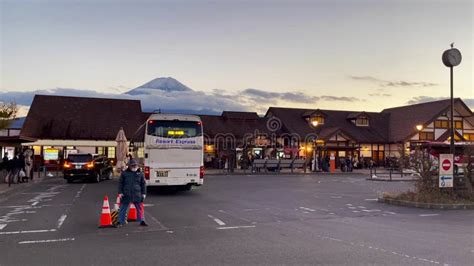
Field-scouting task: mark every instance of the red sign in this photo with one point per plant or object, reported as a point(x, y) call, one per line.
point(446, 165)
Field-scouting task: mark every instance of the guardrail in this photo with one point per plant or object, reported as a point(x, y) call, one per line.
point(389, 172)
point(278, 165)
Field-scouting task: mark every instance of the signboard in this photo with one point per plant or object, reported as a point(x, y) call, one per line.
point(446, 170)
point(51, 154)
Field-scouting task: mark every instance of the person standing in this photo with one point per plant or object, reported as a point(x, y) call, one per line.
point(28, 165)
point(132, 189)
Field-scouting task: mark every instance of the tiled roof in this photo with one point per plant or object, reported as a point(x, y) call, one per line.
point(60, 117)
point(404, 119)
point(240, 115)
point(293, 121)
point(214, 124)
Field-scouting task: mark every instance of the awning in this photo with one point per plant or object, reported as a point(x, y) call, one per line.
point(15, 140)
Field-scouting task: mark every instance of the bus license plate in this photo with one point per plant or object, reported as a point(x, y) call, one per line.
point(162, 173)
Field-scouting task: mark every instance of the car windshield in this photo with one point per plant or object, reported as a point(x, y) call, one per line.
point(79, 158)
point(174, 129)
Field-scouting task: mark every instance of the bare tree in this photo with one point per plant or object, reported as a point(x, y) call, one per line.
point(423, 163)
point(8, 113)
point(468, 167)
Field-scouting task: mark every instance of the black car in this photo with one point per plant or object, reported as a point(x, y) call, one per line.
point(87, 167)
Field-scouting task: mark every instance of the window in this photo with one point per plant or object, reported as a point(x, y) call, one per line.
point(100, 150)
point(174, 129)
point(426, 136)
point(317, 118)
point(441, 124)
point(110, 152)
point(458, 124)
point(362, 121)
point(469, 137)
point(79, 158)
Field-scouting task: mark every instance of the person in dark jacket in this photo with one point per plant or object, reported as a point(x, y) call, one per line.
point(132, 189)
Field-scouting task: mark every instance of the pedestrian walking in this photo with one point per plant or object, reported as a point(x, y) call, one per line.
point(28, 164)
point(132, 189)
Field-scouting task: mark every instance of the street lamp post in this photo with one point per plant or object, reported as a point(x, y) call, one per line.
point(451, 58)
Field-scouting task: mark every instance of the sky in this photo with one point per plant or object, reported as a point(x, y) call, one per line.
point(245, 55)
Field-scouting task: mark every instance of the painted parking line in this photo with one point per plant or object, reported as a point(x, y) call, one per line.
point(236, 227)
point(218, 221)
point(2, 226)
point(61, 220)
point(429, 214)
point(307, 209)
point(374, 210)
point(27, 232)
point(371, 199)
point(46, 241)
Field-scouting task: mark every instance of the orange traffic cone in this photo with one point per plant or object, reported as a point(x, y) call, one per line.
point(117, 203)
point(105, 217)
point(132, 213)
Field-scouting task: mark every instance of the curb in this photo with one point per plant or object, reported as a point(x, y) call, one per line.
point(282, 174)
point(388, 180)
point(422, 205)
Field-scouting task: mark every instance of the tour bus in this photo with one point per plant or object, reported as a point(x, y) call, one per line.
point(173, 151)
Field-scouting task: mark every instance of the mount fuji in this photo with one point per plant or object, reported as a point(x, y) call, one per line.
point(168, 84)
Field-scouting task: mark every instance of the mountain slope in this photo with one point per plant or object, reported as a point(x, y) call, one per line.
point(162, 84)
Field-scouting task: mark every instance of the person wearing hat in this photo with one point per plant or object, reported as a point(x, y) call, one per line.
point(132, 189)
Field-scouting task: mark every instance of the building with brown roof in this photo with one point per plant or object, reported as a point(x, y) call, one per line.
point(78, 124)
point(90, 125)
point(375, 135)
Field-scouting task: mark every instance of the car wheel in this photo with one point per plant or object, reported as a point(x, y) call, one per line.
point(110, 175)
point(69, 181)
point(97, 178)
point(187, 187)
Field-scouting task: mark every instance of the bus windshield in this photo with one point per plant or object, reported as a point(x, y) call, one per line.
point(174, 129)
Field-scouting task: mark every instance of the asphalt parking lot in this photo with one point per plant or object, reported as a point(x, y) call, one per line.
point(234, 220)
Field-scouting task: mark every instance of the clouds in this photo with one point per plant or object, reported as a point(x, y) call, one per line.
point(389, 83)
point(292, 97)
point(270, 97)
point(212, 102)
point(191, 101)
point(380, 94)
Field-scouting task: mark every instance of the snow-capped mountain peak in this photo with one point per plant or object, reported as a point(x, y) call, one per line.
point(168, 84)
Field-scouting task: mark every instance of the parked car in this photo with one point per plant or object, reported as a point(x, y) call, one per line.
point(87, 167)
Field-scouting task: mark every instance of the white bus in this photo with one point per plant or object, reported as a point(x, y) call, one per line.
point(173, 151)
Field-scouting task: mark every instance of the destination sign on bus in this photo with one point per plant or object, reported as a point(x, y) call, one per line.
point(176, 142)
point(175, 132)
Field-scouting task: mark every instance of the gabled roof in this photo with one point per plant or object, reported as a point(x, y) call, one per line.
point(404, 119)
point(445, 136)
point(355, 115)
point(293, 121)
point(60, 117)
point(240, 115)
point(310, 113)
